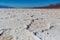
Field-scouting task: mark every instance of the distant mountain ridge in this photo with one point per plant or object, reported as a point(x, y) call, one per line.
point(55, 5)
point(2, 6)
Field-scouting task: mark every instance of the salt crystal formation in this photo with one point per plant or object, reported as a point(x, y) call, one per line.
point(29, 24)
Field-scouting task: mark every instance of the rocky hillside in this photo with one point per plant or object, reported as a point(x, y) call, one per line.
point(55, 5)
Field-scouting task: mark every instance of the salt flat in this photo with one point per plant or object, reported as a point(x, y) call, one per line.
point(29, 24)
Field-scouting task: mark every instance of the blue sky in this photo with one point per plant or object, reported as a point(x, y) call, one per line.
point(27, 3)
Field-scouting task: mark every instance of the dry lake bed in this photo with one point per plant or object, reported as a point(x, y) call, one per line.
point(29, 24)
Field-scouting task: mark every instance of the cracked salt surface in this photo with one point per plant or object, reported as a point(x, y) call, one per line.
point(29, 24)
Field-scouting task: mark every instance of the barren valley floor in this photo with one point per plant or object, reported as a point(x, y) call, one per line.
point(29, 24)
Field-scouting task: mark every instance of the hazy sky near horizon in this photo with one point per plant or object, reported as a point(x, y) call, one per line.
point(27, 3)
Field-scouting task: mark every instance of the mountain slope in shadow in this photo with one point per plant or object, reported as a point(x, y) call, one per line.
point(2, 6)
point(56, 5)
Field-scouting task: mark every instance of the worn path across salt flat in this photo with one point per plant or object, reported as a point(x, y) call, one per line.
point(29, 24)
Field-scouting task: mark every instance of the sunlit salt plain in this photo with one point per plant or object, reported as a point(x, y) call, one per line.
point(29, 24)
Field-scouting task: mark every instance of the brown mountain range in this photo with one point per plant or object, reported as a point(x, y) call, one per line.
point(56, 5)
